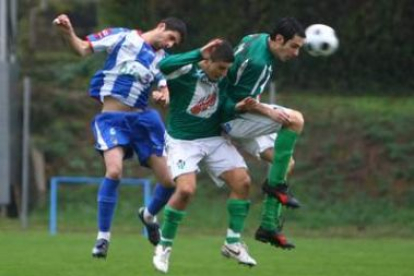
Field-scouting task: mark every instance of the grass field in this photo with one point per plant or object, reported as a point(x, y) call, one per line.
point(68, 254)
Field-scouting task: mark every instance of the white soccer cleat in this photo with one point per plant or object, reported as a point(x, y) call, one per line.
point(161, 258)
point(238, 251)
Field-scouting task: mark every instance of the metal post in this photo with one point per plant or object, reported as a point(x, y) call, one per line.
point(25, 153)
point(272, 92)
point(3, 30)
point(147, 192)
point(53, 206)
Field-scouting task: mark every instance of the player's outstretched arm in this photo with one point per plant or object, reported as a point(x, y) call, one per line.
point(247, 104)
point(82, 47)
point(276, 114)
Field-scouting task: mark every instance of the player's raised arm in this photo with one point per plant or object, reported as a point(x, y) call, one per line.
point(175, 65)
point(82, 47)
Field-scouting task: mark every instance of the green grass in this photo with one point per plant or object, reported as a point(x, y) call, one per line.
point(67, 254)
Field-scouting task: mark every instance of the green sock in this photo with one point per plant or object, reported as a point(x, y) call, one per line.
point(271, 211)
point(284, 145)
point(172, 219)
point(237, 209)
point(279, 208)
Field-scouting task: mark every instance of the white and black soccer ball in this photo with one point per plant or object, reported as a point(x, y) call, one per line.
point(321, 40)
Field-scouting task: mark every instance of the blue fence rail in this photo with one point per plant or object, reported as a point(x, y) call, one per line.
point(74, 180)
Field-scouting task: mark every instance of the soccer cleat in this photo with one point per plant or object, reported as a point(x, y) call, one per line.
point(161, 258)
point(153, 228)
point(274, 237)
point(100, 250)
point(238, 251)
point(281, 193)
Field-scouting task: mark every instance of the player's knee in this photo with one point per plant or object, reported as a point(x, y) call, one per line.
point(297, 121)
point(114, 172)
point(186, 192)
point(242, 187)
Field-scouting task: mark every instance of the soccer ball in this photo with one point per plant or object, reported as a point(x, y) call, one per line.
point(321, 40)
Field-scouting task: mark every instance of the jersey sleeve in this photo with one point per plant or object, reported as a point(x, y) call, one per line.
point(106, 39)
point(227, 105)
point(175, 65)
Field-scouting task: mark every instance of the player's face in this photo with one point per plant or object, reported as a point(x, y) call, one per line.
point(287, 50)
point(167, 39)
point(216, 70)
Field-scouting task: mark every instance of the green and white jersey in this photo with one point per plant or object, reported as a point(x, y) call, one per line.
point(196, 107)
point(252, 69)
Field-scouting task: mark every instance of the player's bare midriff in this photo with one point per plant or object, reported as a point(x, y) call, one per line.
point(112, 104)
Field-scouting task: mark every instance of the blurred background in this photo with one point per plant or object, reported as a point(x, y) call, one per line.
point(354, 162)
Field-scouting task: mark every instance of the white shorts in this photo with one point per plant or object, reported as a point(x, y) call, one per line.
point(255, 146)
point(253, 132)
point(215, 153)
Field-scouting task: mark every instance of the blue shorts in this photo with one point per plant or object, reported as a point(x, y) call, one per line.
point(139, 132)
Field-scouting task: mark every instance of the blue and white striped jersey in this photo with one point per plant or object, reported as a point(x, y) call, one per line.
point(131, 67)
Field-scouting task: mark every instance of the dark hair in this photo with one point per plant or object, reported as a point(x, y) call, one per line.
point(223, 52)
point(175, 24)
point(288, 27)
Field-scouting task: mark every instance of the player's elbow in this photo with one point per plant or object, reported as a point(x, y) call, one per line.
point(84, 50)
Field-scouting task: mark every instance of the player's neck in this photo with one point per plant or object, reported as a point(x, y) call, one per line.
point(149, 37)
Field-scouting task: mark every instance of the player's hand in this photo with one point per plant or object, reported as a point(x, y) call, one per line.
point(247, 104)
point(280, 115)
point(62, 21)
point(207, 49)
point(162, 96)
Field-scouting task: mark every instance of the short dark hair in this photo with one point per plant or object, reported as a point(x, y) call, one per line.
point(175, 24)
point(223, 52)
point(288, 27)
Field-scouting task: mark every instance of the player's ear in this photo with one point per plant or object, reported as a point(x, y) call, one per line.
point(279, 38)
point(161, 26)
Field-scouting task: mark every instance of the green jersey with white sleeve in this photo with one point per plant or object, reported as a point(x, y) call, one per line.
point(196, 107)
point(252, 69)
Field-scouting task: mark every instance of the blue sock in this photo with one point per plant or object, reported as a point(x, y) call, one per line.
point(159, 199)
point(107, 199)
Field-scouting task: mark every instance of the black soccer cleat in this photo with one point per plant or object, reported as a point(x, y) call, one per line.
point(100, 250)
point(274, 237)
point(281, 193)
point(153, 228)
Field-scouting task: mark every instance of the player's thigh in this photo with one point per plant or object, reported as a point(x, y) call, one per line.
point(113, 159)
point(159, 167)
point(238, 180)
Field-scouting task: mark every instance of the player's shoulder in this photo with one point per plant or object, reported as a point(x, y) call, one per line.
point(109, 32)
point(254, 37)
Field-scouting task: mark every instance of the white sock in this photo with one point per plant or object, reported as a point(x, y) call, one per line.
point(148, 217)
point(104, 235)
